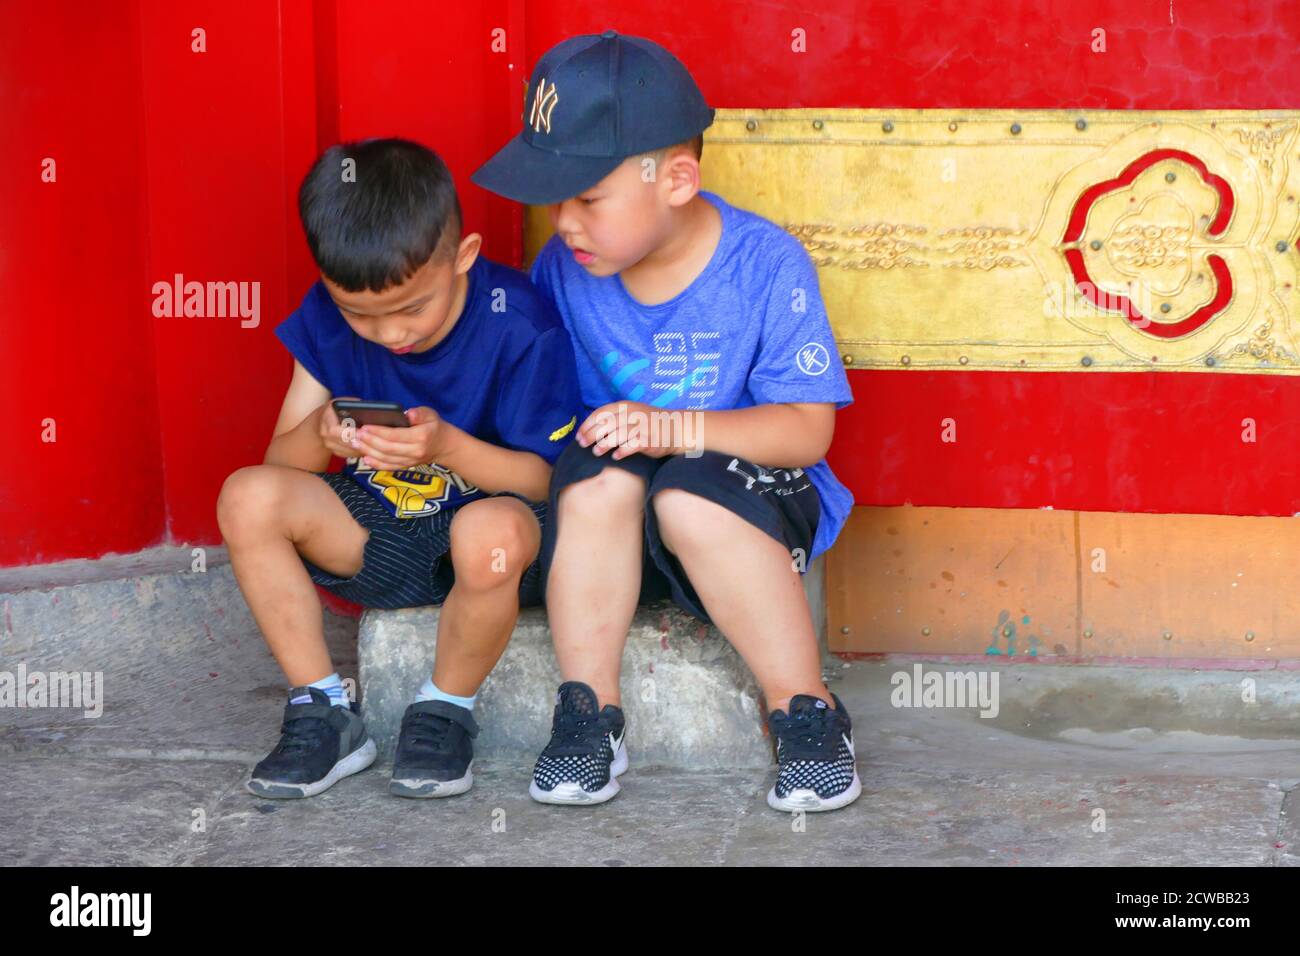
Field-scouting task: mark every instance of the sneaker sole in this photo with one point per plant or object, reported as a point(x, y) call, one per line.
point(808, 801)
point(355, 762)
point(571, 794)
point(431, 789)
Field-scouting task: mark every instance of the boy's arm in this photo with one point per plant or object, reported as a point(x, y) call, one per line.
point(785, 435)
point(788, 435)
point(492, 468)
point(297, 442)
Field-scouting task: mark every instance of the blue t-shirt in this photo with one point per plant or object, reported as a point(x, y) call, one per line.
point(750, 330)
point(504, 374)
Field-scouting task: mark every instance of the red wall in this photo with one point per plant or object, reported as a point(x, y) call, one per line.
point(174, 161)
point(76, 342)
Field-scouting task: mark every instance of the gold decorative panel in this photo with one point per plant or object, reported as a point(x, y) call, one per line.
point(1009, 239)
point(1005, 239)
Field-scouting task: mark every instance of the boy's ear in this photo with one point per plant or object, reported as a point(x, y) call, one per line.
point(467, 252)
point(681, 172)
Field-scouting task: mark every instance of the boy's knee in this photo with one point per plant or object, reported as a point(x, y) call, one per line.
point(685, 519)
point(611, 492)
point(493, 541)
point(247, 498)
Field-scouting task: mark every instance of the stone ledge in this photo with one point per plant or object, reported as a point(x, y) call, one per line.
point(690, 700)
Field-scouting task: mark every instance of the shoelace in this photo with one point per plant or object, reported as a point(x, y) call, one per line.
point(428, 731)
point(573, 733)
point(300, 733)
point(807, 731)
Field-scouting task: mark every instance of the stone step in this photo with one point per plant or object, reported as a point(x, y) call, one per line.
point(689, 699)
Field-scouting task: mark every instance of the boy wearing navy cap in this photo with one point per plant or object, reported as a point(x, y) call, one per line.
point(688, 311)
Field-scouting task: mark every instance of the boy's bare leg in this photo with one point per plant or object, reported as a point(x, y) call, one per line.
point(747, 582)
point(493, 541)
point(269, 514)
point(595, 577)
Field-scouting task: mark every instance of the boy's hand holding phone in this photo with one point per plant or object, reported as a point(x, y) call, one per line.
point(334, 435)
point(387, 448)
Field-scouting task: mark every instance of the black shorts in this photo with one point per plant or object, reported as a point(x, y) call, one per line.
point(780, 502)
point(406, 562)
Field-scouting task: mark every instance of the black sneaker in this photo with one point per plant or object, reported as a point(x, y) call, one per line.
point(320, 745)
point(586, 751)
point(814, 746)
point(435, 751)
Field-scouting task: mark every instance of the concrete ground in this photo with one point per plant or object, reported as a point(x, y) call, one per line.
point(158, 779)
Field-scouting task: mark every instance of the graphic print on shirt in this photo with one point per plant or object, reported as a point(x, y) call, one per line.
point(677, 371)
point(416, 492)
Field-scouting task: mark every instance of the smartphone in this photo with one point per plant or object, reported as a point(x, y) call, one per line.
point(371, 413)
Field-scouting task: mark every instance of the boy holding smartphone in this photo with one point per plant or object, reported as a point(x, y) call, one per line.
point(447, 510)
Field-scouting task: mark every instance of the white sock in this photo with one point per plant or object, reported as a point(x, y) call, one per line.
point(332, 686)
point(429, 691)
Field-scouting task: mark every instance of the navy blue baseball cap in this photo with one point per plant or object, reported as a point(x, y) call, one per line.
point(593, 101)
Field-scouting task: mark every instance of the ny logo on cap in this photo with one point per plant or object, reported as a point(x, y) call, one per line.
point(544, 101)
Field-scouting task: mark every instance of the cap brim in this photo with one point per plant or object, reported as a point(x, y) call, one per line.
point(539, 177)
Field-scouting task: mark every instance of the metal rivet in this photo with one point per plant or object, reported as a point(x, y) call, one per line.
point(848, 359)
point(818, 124)
point(887, 126)
point(1086, 360)
point(1281, 245)
point(1015, 129)
point(1087, 633)
point(1250, 635)
point(1095, 244)
point(907, 360)
point(1170, 177)
point(952, 127)
point(844, 630)
point(751, 125)
point(925, 631)
point(1165, 306)
point(1167, 635)
point(1080, 124)
point(963, 359)
point(1210, 361)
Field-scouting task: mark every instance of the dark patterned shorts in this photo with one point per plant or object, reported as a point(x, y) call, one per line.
point(778, 501)
point(406, 562)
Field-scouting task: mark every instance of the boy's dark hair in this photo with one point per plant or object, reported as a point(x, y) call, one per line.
point(373, 222)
